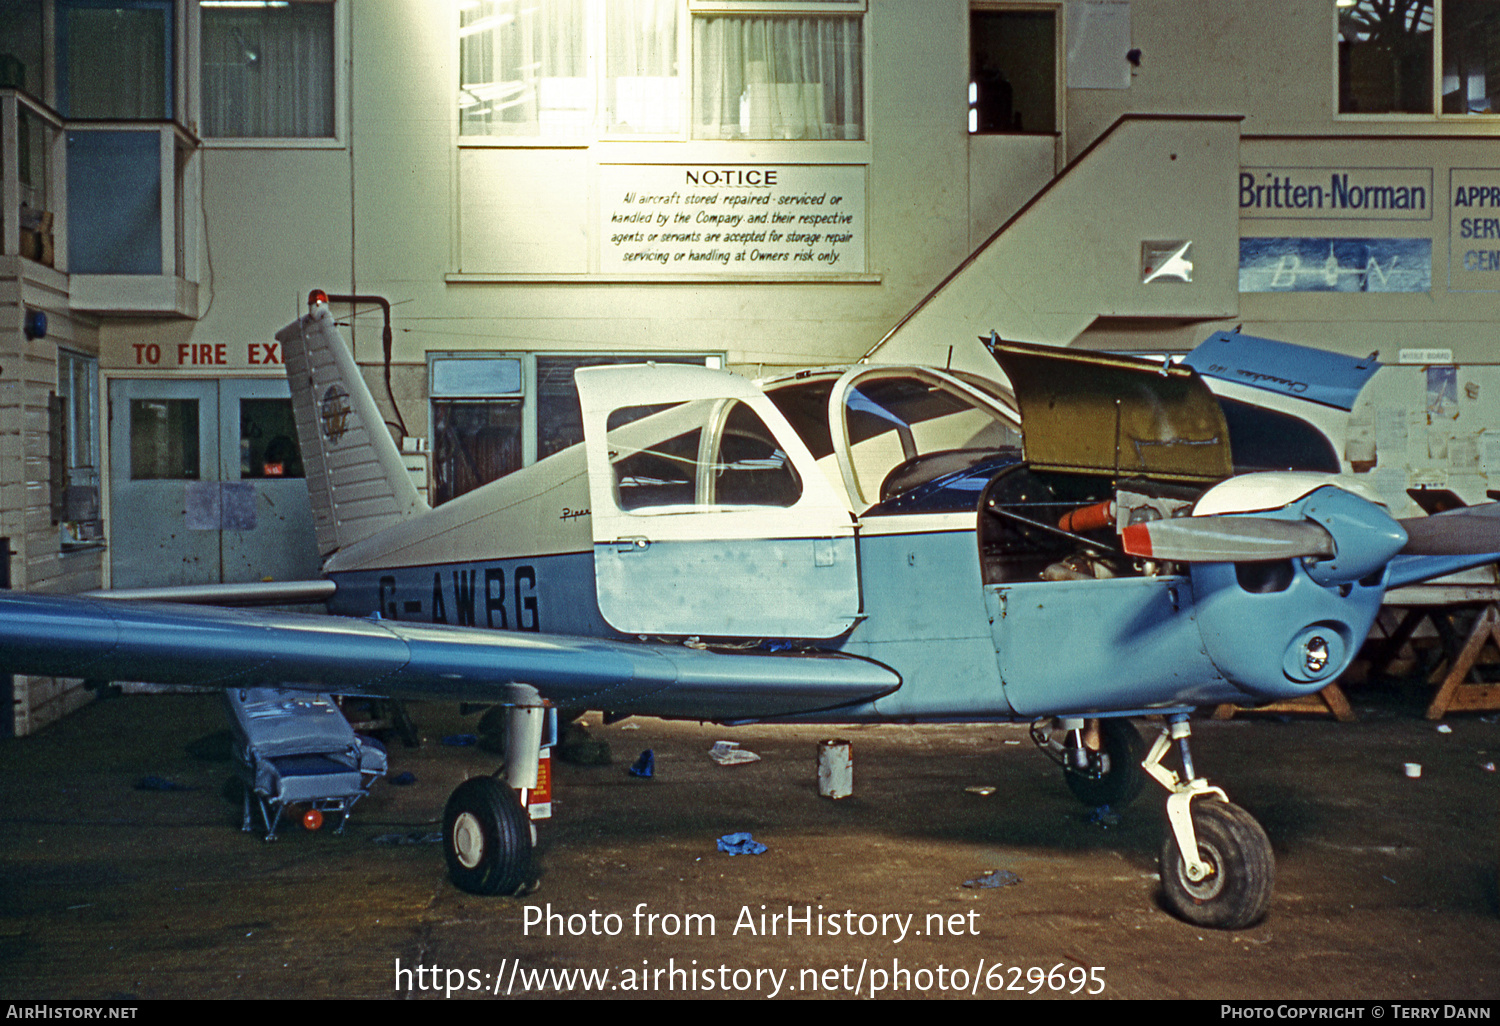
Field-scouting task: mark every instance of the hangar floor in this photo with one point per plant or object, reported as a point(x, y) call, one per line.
point(1385, 889)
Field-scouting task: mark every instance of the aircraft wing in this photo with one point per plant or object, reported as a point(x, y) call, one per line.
point(70, 636)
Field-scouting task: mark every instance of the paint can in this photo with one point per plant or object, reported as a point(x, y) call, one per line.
point(835, 768)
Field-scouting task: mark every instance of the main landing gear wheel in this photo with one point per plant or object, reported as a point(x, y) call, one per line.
point(1113, 775)
point(1237, 891)
point(487, 838)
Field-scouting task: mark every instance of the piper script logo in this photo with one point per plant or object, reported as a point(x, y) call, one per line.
point(334, 413)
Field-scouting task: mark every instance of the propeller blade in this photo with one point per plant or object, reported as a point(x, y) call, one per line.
point(1226, 539)
point(1471, 531)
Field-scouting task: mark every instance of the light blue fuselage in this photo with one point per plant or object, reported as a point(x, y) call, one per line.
point(964, 650)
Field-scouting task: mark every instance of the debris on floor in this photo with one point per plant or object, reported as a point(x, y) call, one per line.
point(1104, 817)
point(413, 838)
point(645, 766)
point(729, 753)
point(740, 844)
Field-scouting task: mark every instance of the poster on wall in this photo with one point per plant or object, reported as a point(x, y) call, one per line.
point(1098, 41)
point(763, 219)
point(1474, 230)
point(1335, 265)
point(1336, 193)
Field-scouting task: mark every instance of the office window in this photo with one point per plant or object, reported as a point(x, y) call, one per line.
point(1471, 57)
point(576, 69)
point(268, 69)
point(74, 413)
point(476, 420)
point(268, 439)
point(642, 88)
point(1012, 71)
point(1419, 56)
point(1385, 56)
point(114, 59)
point(164, 443)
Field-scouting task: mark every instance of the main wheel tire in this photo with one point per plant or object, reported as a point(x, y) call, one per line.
point(1237, 891)
point(486, 838)
point(1121, 783)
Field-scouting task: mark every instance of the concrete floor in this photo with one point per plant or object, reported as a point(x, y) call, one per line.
point(1386, 885)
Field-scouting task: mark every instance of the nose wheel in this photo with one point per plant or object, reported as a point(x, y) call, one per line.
point(1235, 891)
point(1217, 867)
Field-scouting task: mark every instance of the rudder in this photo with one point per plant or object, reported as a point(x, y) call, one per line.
point(356, 479)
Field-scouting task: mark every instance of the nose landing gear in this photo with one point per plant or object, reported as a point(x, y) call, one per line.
point(1217, 868)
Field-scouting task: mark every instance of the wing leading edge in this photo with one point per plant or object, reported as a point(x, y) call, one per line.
point(68, 636)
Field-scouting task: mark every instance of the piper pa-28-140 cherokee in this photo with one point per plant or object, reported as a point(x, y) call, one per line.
point(871, 544)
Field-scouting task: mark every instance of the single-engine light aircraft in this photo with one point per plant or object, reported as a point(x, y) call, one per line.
point(865, 545)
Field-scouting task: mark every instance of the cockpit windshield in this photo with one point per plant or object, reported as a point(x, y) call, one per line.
point(904, 429)
point(896, 426)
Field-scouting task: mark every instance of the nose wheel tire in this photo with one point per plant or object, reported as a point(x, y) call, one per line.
point(1120, 783)
point(486, 838)
point(1237, 891)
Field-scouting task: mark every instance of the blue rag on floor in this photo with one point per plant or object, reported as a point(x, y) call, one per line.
point(740, 844)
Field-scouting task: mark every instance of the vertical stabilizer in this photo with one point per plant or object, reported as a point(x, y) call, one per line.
point(355, 475)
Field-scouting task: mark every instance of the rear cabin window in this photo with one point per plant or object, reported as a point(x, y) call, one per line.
point(703, 455)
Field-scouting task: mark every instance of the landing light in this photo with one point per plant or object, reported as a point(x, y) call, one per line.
point(1315, 654)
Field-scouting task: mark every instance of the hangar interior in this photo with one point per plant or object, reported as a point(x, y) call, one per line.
point(765, 185)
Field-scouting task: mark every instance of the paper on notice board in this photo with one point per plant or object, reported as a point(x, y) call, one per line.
point(1098, 40)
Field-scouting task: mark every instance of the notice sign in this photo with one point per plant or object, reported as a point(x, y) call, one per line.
point(792, 219)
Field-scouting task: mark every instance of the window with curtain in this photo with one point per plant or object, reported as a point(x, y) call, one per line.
point(268, 71)
point(571, 69)
point(523, 68)
point(778, 77)
point(642, 88)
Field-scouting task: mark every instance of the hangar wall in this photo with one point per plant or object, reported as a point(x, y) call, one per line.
point(929, 231)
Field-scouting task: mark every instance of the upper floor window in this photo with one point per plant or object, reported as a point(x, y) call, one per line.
point(115, 59)
point(570, 69)
point(268, 69)
point(1419, 56)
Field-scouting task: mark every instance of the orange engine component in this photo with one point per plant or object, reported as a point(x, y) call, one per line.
point(1089, 518)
